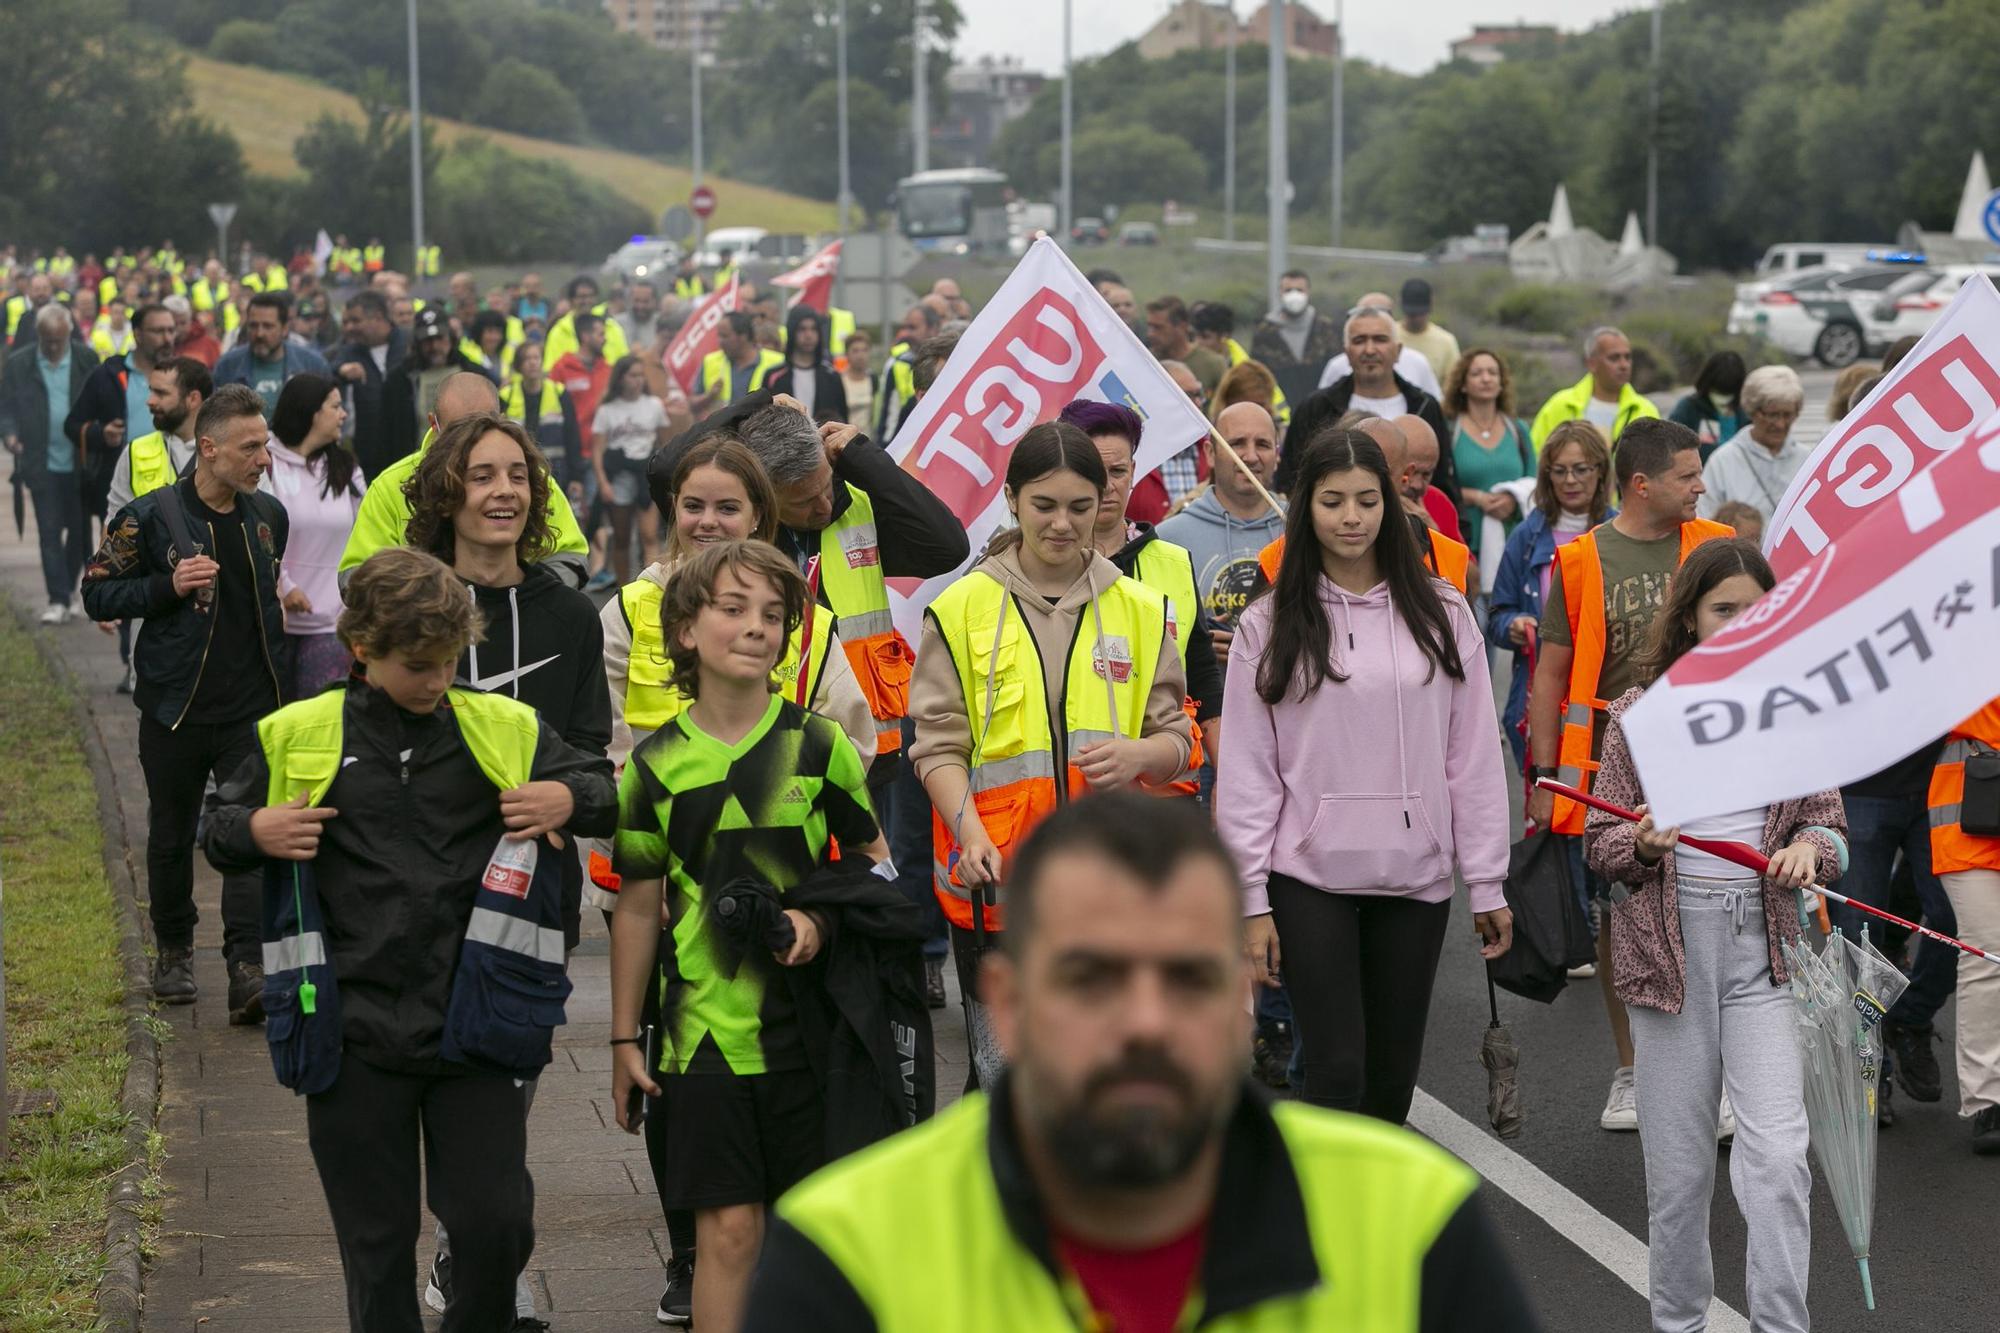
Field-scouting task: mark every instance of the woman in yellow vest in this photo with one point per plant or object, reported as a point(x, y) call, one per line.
point(716, 492)
point(1042, 674)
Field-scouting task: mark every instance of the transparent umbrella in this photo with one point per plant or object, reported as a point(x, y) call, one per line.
point(1842, 992)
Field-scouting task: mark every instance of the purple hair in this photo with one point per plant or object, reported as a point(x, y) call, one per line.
point(1094, 419)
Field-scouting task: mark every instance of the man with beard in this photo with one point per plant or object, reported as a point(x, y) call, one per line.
point(1122, 1174)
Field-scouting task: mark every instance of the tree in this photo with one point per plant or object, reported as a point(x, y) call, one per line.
point(517, 96)
point(1131, 164)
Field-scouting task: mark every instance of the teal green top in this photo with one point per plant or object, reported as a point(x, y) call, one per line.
point(1481, 469)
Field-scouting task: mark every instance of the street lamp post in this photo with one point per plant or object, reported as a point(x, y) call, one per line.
point(1278, 169)
point(1653, 137)
point(1068, 116)
point(416, 154)
point(1229, 132)
point(1339, 115)
point(694, 84)
point(920, 116)
point(840, 90)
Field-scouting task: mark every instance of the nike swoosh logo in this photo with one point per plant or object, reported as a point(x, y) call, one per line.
point(508, 677)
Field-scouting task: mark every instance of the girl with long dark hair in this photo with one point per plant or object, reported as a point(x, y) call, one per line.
point(320, 484)
point(1362, 769)
point(1697, 963)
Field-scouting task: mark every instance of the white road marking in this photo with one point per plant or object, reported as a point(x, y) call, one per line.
point(1534, 1189)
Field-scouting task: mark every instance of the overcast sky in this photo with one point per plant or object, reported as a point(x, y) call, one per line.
point(1384, 34)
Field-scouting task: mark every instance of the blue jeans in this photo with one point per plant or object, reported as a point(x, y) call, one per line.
point(905, 813)
point(1877, 828)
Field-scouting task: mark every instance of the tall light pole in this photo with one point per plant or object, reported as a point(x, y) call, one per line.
point(1068, 116)
point(1229, 132)
point(1653, 137)
point(920, 111)
point(840, 95)
point(1339, 115)
point(1278, 169)
point(694, 84)
point(416, 154)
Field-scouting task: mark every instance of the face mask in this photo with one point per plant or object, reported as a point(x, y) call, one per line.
point(1292, 302)
point(1721, 400)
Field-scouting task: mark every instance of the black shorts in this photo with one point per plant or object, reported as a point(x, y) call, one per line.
point(739, 1138)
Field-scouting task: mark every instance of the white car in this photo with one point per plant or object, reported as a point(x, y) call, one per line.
point(1820, 313)
point(741, 242)
point(1909, 308)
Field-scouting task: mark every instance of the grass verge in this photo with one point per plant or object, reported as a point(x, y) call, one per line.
point(65, 1025)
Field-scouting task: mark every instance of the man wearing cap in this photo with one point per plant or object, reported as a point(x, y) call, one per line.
point(411, 393)
point(1437, 344)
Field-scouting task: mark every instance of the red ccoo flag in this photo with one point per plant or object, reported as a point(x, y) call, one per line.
point(697, 337)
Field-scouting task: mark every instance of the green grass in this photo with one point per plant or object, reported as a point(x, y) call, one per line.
point(65, 1025)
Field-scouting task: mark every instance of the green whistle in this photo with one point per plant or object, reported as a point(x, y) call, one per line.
point(308, 997)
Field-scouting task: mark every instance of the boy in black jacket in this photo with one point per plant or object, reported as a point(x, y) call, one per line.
point(479, 501)
point(402, 840)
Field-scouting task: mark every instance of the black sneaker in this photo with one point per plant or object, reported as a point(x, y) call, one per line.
point(527, 1323)
point(1986, 1132)
point(173, 976)
point(677, 1302)
point(934, 982)
point(1885, 1107)
point(246, 994)
point(1916, 1063)
point(437, 1287)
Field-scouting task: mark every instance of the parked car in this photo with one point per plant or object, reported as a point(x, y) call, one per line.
point(1909, 307)
point(1089, 231)
point(1792, 256)
point(643, 257)
point(1138, 233)
point(1818, 313)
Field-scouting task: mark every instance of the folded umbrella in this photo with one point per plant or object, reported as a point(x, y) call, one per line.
point(1502, 1059)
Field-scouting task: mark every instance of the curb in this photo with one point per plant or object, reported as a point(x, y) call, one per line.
point(120, 1291)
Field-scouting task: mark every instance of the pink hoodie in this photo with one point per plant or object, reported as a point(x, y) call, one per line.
point(1372, 786)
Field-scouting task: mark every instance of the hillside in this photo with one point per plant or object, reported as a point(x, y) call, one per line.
point(267, 111)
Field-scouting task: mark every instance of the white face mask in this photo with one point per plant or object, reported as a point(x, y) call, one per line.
point(1292, 302)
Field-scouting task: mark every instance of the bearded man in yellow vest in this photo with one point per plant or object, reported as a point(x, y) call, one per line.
point(1123, 1172)
point(1606, 588)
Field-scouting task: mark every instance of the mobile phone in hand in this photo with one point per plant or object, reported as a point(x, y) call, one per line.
point(635, 1107)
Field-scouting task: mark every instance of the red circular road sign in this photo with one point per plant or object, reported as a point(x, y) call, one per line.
point(702, 201)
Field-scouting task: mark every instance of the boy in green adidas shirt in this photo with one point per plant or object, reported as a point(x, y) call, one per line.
point(743, 784)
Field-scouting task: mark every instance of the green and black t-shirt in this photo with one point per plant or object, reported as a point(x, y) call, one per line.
point(698, 814)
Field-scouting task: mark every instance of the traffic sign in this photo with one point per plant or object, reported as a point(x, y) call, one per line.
point(874, 255)
point(677, 224)
point(221, 214)
point(1989, 217)
point(702, 202)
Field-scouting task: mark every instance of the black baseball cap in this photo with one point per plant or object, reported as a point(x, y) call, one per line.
point(1416, 297)
point(430, 324)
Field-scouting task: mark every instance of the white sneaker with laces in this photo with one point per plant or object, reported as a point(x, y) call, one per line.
point(56, 614)
point(1725, 1123)
point(1582, 971)
point(1621, 1108)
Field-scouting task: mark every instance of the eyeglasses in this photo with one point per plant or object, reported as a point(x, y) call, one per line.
point(1581, 472)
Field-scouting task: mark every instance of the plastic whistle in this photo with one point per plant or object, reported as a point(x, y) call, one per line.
point(308, 997)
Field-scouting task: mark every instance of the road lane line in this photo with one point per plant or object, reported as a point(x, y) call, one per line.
point(1575, 1220)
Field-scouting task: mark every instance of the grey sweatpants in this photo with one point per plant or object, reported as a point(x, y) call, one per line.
point(1734, 1031)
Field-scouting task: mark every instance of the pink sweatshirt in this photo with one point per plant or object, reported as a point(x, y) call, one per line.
point(320, 526)
point(1377, 785)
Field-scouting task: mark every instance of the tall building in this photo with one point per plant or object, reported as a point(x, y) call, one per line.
point(1200, 25)
point(1491, 45)
point(980, 98)
point(673, 25)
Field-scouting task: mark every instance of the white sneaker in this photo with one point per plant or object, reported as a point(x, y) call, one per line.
point(1725, 1122)
point(56, 614)
point(1621, 1108)
point(1582, 972)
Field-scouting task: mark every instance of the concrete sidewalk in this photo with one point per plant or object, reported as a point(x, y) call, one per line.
point(246, 1242)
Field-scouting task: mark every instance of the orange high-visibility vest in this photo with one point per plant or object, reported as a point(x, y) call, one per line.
point(1583, 594)
point(1952, 848)
point(1449, 560)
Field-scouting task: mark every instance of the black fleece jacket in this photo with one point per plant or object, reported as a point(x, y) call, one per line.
point(399, 864)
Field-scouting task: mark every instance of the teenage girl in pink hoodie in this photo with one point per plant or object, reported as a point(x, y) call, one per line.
point(1362, 766)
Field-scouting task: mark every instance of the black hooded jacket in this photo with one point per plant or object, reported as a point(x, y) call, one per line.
point(829, 394)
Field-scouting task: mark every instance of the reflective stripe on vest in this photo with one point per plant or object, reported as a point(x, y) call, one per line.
point(916, 1227)
point(850, 574)
point(1952, 848)
point(1013, 765)
point(152, 463)
point(1169, 569)
point(295, 951)
point(515, 935)
point(651, 701)
point(1583, 594)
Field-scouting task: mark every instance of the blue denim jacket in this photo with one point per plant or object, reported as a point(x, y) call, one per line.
point(1517, 592)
